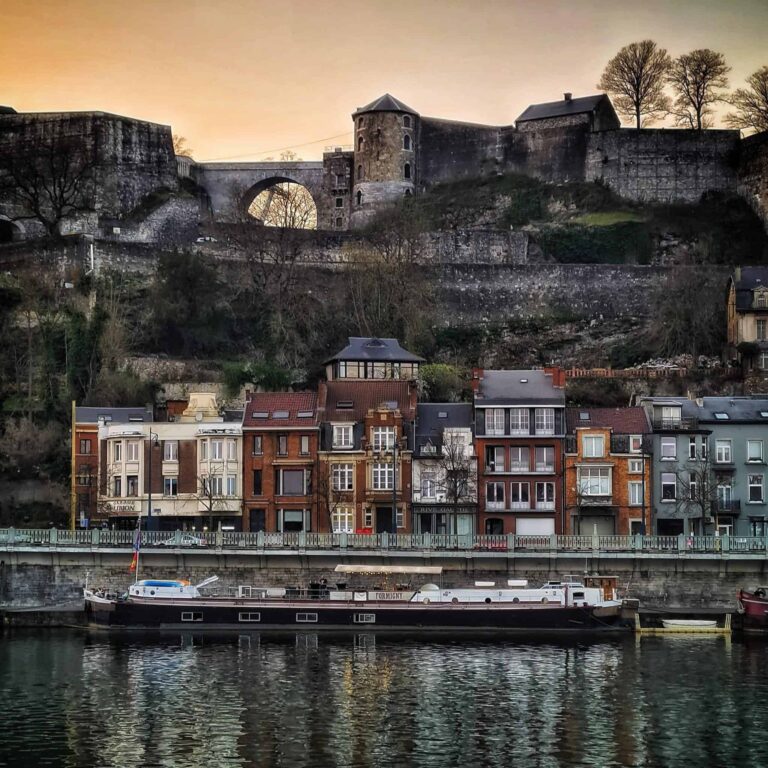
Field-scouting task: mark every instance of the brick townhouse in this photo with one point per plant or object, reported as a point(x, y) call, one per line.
point(280, 442)
point(608, 471)
point(519, 433)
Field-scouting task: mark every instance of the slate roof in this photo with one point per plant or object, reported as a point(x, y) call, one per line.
point(563, 108)
point(385, 103)
point(375, 350)
point(739, 409)
point(749, 279)
point(433, 418)
point(518, 387)
point(275, 404)
point(364, 395)
point(623, 421)
point(90, 414)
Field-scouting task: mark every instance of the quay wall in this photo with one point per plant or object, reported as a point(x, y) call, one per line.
point(45, 579)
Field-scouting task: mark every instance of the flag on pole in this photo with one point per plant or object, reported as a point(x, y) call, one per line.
point(136, 548)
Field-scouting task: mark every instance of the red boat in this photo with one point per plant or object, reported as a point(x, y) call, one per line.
point(754, 607)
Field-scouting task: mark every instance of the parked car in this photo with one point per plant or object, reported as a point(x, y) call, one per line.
point(185, 540)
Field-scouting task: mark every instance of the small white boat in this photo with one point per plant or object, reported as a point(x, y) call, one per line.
point(689, 623)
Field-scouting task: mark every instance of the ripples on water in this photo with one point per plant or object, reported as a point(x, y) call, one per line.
point(369, 701)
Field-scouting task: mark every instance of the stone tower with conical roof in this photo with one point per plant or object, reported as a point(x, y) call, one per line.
point(386, 148)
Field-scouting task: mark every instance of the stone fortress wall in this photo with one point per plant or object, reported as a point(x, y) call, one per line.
point(396, 152)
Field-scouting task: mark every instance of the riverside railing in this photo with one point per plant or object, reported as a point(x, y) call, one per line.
point(96, 538)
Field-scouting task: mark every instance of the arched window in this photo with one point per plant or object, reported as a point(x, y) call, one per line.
point(406, 121)
point(408, 193)
point(359, 172)
point(407, 171)
point(359, 143)
point(406, 142)
point(359, 197)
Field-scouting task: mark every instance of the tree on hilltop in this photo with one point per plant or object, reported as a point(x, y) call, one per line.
point(180, 146)
point(750, 104)
point(697, 79)
point(635, 79)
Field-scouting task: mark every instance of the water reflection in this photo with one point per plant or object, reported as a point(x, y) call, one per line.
point(365, 700)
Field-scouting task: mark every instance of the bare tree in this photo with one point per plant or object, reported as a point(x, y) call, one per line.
point(330, 493)
point(750, 104)
point(456, 471)
point(702, 492)
point(635, 78)
point(285, 205)
point(211, 492)
point(180, 146)
point(697, 79)
point(47, 179)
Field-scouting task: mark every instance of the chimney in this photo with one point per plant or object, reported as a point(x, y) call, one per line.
point(558, 376)
point(567, 96)
point(477, 377)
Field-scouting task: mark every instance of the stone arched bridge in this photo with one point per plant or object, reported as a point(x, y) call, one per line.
point(231, 187)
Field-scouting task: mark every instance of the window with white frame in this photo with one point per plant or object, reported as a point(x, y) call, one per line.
point(428, 486)
point(170, 486)
point(545, 495)
point(368, 518)
point(342, 477)
point(635, 466)
point(635, 443)
point(704, 448)
point(519, 421)
point(342, 435)
point(762, 327)
point(494, 421)
point(132, 485)
point(304, 445)
point(635, 493)
point(171, 450)
point(383, 476)
point(117, 451)
point(693, 486)
point(231, 485)
point(212, 485)
point(399, 518)
point(203, 450)
point(755, 451)
point(594, 481)
point(217, 450)
point(755, 483)
point(132, 450)
point(671, 414)
point(494, 495)
point(383, 438)
point(545, 458)
point(519, 496)
point(668, 448)
point(232, 450)
point(692, 448)
point(343, 520)
point(117, 486)
point(544, 419)
point(668, 486)
point(520, 459)
point(723, 451)
point(257, 447)
point(494, 458)
point(593, 446)
point(762, 361)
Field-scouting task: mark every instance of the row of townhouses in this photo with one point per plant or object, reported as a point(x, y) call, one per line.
point(360, 454)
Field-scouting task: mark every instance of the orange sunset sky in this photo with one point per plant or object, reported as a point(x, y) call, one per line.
point(244, 79)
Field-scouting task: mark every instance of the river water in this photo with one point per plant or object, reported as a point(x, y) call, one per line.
point(293, 700)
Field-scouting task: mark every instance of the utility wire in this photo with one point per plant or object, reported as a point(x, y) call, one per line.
point(278, 149)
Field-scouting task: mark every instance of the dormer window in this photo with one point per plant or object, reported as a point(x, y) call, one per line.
point(761, 299)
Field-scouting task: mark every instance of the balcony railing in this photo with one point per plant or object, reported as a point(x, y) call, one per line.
point(38, 539)
point(681, 424)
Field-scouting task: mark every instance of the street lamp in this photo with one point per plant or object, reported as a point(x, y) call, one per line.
point(154, 439)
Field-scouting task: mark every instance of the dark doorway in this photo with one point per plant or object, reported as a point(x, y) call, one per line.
point(384, 521)
point(669, 527)
point(494, 526)
point(7, 232)
point(258, 521)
